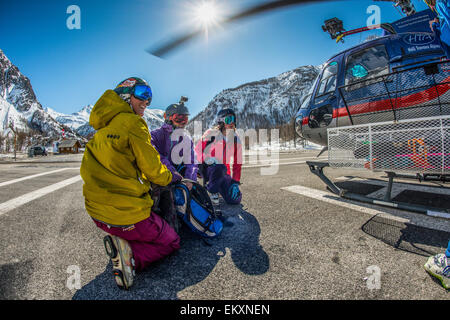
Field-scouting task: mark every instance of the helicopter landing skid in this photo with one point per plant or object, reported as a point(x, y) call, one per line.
point(317, 167)
point(425, 177)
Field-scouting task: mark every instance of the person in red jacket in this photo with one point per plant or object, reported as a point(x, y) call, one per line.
point(215, 151)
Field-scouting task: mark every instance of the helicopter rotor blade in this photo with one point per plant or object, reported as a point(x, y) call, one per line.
point(162, 50)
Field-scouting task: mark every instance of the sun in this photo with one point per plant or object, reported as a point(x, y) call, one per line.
point(207, 13)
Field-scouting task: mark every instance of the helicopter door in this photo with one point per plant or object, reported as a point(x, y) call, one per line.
point(320, 114)
point(322, 103)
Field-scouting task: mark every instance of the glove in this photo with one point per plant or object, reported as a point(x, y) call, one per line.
point(176, 177)
point(234, 192)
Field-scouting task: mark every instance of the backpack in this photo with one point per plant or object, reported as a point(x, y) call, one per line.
point(197, 211)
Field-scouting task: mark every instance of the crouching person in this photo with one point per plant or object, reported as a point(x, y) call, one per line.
point(215, 150)
point(168, 139)
point(177, 154)
point(118, 166)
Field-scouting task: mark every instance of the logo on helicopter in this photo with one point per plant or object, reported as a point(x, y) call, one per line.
point(418, 39)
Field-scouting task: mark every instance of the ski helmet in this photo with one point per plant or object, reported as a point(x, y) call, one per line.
point(127, 86)
point(222, 114)
point(176, 108)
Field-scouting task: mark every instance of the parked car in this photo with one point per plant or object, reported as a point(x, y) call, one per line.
point(37, 151)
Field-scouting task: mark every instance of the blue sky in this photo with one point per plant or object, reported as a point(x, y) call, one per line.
point(69, 69)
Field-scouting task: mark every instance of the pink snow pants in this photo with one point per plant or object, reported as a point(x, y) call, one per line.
point(150, 239)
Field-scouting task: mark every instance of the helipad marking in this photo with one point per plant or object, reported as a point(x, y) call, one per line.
point(390, 213)
point(2, 184)
point(285, 159)
point(274, 164)
point(336, 200)
point(19, 201)
point(269, 164)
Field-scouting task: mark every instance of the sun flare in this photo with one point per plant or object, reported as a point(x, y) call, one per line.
point(207, 13)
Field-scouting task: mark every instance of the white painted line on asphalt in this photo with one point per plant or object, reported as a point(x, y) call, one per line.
point(427, 221)
point(2, 184)
point(335, 200)
point(438, 214)
point(301, 158)
point(270, 164)
point(274, 164)
point(19, 201)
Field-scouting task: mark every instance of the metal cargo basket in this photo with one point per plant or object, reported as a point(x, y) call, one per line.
point(414, 146)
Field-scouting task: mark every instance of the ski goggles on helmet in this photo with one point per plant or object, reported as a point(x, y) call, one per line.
point(179, 118)
point(143, 93)
point(228, 119)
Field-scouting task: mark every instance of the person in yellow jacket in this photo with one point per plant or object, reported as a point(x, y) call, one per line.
point(118, 165)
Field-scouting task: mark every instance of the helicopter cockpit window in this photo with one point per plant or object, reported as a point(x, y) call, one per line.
point(305, 103)
point(327, 82)
point(367, 64)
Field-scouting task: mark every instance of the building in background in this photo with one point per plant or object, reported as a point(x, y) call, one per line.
point(69, 146)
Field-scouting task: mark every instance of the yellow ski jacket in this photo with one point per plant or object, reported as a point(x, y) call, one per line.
point(119, 163)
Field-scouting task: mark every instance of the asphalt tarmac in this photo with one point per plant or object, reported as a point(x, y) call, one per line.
point(291, 239)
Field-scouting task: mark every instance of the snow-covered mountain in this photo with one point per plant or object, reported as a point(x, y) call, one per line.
point(79, 121)
point(154, 118)
point(9, 114)
point(262, 104)
point(19, 105)
point(74, 120)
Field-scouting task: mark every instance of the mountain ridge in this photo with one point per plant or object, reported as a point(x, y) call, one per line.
point(265, 103)
point(19, 106)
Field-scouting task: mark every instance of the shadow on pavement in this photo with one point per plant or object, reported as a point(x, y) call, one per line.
point(14, 277)
point(192, 263)
point(407, 237)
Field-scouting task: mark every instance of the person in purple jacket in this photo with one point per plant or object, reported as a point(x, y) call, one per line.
point(167, 141)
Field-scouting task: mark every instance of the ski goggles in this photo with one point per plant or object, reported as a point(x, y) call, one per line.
point(228, 119)
point(143, 93)
point(179, 118)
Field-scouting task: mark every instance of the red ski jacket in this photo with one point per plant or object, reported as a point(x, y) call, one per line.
point(208, 151)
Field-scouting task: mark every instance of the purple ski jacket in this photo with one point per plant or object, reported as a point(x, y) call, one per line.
point(161, 140)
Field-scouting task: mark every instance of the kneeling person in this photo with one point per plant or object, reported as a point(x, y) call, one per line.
point(118, 165)
point(215, 156)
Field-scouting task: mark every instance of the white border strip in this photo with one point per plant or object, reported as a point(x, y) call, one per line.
point(330, 198)
point(422, 220)
point(272, 164)
point(19, 201)
point(2, 184)
point(438, 214)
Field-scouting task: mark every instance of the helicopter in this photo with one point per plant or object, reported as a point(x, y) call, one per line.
point(342, 95)
point(382, 105)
